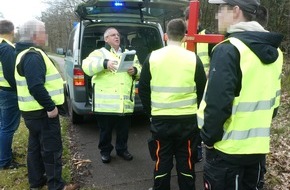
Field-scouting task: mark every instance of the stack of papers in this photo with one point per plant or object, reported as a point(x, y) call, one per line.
point(126, 61)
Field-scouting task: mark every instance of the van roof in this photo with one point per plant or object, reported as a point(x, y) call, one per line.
point(144, 10)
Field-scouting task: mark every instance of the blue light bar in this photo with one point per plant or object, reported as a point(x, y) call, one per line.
point(118, 4)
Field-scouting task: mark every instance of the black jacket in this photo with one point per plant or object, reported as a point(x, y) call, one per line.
point(7, 59)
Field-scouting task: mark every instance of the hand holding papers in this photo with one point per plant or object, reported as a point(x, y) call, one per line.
point(112, 65)
point(126, 61)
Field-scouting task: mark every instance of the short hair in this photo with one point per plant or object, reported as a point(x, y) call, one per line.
point(106, 33)
point(28, 29)
point(176, 29)
point(6, 27)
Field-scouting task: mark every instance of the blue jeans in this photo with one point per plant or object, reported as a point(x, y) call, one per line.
point(9, 122)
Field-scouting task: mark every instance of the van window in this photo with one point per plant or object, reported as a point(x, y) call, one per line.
point(142, 38)
point(69, 51)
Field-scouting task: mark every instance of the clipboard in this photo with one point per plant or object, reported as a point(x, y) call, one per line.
point(126, 61)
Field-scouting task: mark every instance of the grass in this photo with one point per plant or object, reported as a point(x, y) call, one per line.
point(18, 179)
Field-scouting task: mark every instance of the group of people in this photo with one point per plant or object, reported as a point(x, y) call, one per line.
point(229, 107)
point(224, 95)
point(31, 85)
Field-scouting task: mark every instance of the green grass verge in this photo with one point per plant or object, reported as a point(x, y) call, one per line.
point(17, 179)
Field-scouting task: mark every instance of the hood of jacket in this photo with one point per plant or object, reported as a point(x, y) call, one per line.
point(20, 46)
point(262, 42)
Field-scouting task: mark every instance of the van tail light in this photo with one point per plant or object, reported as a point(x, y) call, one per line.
point(136, 87)
point(79, 77)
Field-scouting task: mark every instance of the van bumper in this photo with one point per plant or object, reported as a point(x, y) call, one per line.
point(82, 108)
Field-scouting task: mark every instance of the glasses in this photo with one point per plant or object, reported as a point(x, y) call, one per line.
point(114, 35)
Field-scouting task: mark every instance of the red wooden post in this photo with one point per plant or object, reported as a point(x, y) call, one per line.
point(192, 36)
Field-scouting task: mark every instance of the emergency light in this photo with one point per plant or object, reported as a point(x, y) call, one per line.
point(118, 4)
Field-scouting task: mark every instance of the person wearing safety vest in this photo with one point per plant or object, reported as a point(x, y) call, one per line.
point(203, 50)
point(40, 93)
point(241, 97)
point(113, 94)
point(171, 87)
point(9, 111)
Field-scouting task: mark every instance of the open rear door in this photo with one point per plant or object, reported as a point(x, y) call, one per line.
point(159, 11)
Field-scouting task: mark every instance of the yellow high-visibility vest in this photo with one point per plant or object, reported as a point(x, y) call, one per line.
point(247, 131)
point(202, 52)
point(173, 89)
point(53, 84)
point(112, 91)
point(3, 81)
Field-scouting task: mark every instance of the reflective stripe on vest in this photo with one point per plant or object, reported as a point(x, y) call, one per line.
point(253, 109)
point(53, 84)
point(200, 111)
point(3, 81)
point(278, 91)
point(111, 90)
point(94, 64)
point(173, 89)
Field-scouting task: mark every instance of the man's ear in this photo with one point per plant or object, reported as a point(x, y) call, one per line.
point(106, 39)
point(165, 37)
point(237, 12)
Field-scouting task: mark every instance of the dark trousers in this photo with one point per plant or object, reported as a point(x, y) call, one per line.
point(106, 124)
point(262, 173)
point(44, 152)
point(177, 139)
point(220, 174)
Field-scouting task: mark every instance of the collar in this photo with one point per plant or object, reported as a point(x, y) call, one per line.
point(110, 49)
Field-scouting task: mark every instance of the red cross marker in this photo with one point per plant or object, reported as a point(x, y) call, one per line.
point(192, 36)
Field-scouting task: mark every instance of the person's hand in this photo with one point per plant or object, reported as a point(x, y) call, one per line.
point(131, 71)
point(112, 65)
point(53, 113)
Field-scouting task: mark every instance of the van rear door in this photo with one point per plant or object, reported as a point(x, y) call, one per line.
point(143, 10)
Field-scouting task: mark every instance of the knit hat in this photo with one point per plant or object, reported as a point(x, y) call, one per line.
point(249, 6)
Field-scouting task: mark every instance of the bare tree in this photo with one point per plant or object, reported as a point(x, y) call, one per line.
point(59, 18)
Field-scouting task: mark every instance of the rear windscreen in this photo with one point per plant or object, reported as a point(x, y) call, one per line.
point(143, 38)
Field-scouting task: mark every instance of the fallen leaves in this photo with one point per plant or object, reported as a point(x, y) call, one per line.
point(80, 162)
point(278, 162)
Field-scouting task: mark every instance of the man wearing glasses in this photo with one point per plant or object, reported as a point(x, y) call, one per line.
point(113, 98)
